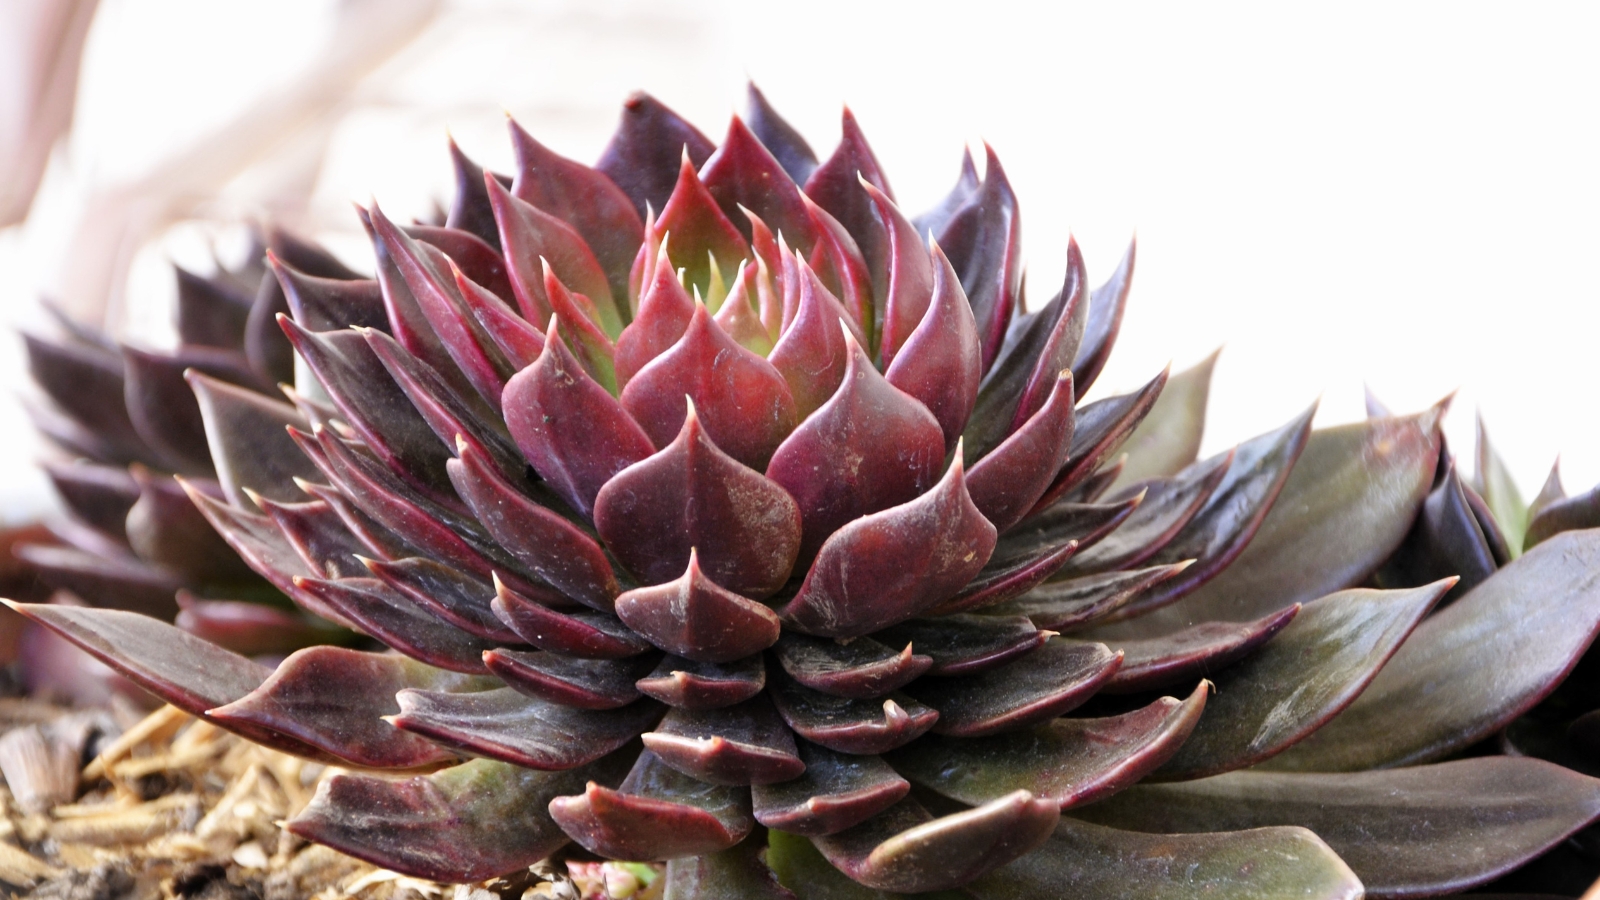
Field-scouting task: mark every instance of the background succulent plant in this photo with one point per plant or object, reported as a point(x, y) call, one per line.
point(712, 504)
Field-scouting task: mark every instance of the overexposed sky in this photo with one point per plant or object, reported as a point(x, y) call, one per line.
point(1404, 195)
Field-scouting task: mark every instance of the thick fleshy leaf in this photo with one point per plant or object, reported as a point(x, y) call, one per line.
point(1563, 514)
point(304, 255)
point(249, 628)
point(569, 680)
point(904, 276)
point(692, 498)
point(657, 813)
point(166, 530)
point(249, 447)
point(1167, 506)
point(940, 362)
point(1446, 539)
point(171, 663)
point(665, 309)
point(533, 237)
point(965, 644)
point(1471, 668)
point(642, 156)
point(934, 220)
point(398, 621)
point(211, 311)
point(734, 745)
point(1500, 492)
point(519, 342)
point(1069, 761)
point(1009, 480)
point(1048, 682)
point(686, 684)
point(469, 207)
point(1169, 437)
point(1066, 522)
point(450, 594)
point(1223, 527)
point(695, 618)
point(837, 186)
point(984, 240)
point(1094, 487)
point(888, 566)
point(348, 722)
point(743, 402)
point(837, 258)
point(1315, 667)
point(549, 545)
point(1194, 652)
point(1108, 301)
point(1346, 506)
point(590, 202)
point(703, 236)
point(570, 429)
point(836, 792)
point(331, 549)
point(1009, 579)
point(800, 866)
point(1097, 431)
point(163, 408)
point(904, 849)
point(466, 824)
point(592, 635)
point(735, 874)
point(512, 727)
point(744, 174)
point(478, 259)
point(778, 136)
point(862, 668)
point(1110, 864)
point(1406, 832)
point(857, 727)
point(739, 316)
point(97, 495)
point(812, 353)
point(329, 304)
point(1074, 603)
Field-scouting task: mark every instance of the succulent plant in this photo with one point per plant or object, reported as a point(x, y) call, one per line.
point(719, 513)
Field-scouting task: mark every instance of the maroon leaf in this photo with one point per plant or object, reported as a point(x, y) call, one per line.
point(574, 433)
point(695, 618)
point(1168, 440)
point(476, 257)
point(248, 628)
point(984, 241)
point(450, 594)
point(934, 220)
point(319, 535)
point(642, 157)
point(467, 823)
point(657, 813)
point(967, 644)
point(837, 186)
point(741, 400)
point(1446, 539)
point(1009, 480)
point(1052, 680)
point(940, 362)
point(665, 309)
point(212, 312)
point(249, 447)
point(328, 304)
point(738, 315)
point(391, 617)
point(743, 174)
point(530, 235)
point(691, 497)
point(517, 339)
point(1073, 603)
point(835, 792)
point(862, 668)
point(735, 745)
point(1085, 524)
point(1071, 762)
point(585, 338)
point(778, 136)
point(165, 530)
point(837, 258)
point(904, 849)
point(888, 566)
point(1107, 304)
point(347, 723)
point(1168, 505)
point(569, 680)
point(702, 234)
point(1194, 652)
point(904, 282)
point(1098, 430)
point(469, 208)
point(1015, 577)
point(811, 353)
point(686, 684)
point(327, 554)
point(592, 635)
point(857, 727)
point(97, 495)
point(869, 448)
point(163, 408)
point(86, 382)
point(525, 731)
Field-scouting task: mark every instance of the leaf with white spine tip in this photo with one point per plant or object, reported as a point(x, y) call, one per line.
point(738, 316)
point(1168, 505)
point(450, 594)
point(162, 406)
point(379, 541)
point(585, 339)
point(665, 309)
point(393, 618)
point(328, 304)
point(518, 340)
point(249, 447)
point(525, 731)
point(1086, 524)
point(692, 498)
point(1471, 668)
point(1107, 303)
point(1075, 603)
point(692, 616)
point(1009, 580)
point(477, 258)
point(1168, 439)
point(870, 448)
point(703, 236)
point(642, 155)
point(318, 534)
point(1098, 429)
point(966, 644)
point(176, 666)
point(1194, 652)
point(1406, 832)
point(569, 428)
point(744, 173)
point(569, 680)
point(862, 668)
point(812, 353)
point(857, 727)
point(583, 633)
point(888, 566)
point(837, 259)
point(656, 813)
point(1009, 480)
point(465, 824)
point(904, 849)
point(686, 684)
point(984, 240)
point(1072, 762)
point(590, 202)
point(903, 274)
point(733, 745)
point(837, 186)
point(835, 792)
point(531, 235)
point(469, 206)
point(1316, 666)
point(1109, 864)
point(1053, 679)
point(347, 723)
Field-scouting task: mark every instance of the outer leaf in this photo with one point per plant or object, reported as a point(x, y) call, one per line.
point(862, 668)
point(966, 644)
point(1500, 492)
point(686, 684)
point(164, 409)
point(743, 174)
point(1300, 679)
point(1079, 602)
point(1050, 681)
point(465, 824)
point(505, 725)
point(166, 530)
point(1406, 832)
point(1169, 437)
point(734, 874)
point(642, 157)
point(1167, 505)
point(778, 136)
point(1007, 482)
point(1194, 652)
point(569, 680)
point(328, 304)
point(249, 447)
point(1069, 761)
point(381, 611)
point(836, 792)
point(1473, 667)
point(984, 242)
point(657, 813)
point(1105, 320)
point(859, 727)
point(1101, 863)
point(586, 634)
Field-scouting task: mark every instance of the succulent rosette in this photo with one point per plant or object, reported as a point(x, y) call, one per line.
point(715, 511)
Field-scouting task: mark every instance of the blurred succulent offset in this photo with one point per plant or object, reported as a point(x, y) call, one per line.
point(717, 512)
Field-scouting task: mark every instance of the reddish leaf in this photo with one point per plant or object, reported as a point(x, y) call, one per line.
point(695, 618)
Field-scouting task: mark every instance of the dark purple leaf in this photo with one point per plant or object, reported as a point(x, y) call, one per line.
point(450, 594)
point(119, 582)
point(86, 382)
point(511, 727)
point(165, 529)
point(1074, 603)
point(862, 668)
point(1098, 430)
point(934, 220)
point(1047, 682)
point(1108, 301)
point(642, 157)
point(1168, 505)
point(686, 684)
point(1563, 514)
point(904, 279)
point(1195, 652)
point(249, 628)
point(98, 495)
point(249, 446)
point(734, 745)
point(657, 813)
point(593, 635)
point(1168, 439)
point(836, 792)
point(984, 240)
point(858, 727)
point(695, 618)
point(1084, 524)
point(778, 136)
point(569, 680)
point(967, 644)
point(163, 408)
point(735, 874)
point(532, 238)
point(1011, 579)
point(395, 619)
point(1009, 480)
point(328, 304)
point(743, 174)
point(1446, 539)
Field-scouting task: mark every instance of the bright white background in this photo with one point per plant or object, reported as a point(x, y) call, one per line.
point(1404, 195)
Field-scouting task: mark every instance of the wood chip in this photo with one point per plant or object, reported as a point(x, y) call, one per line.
point(159, 725)
point(22, 868)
